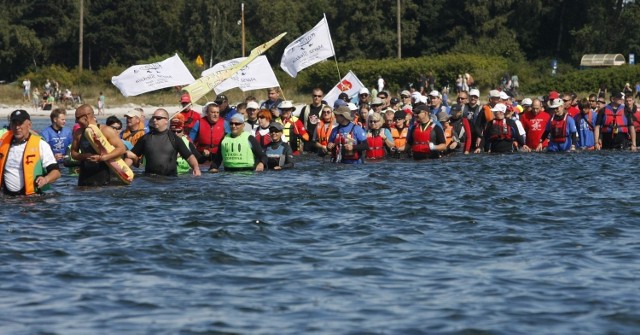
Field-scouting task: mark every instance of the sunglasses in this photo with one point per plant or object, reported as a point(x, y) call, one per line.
point(275, 131)
point(374, 121)
point(566, 100)
point(157, 118)
point(326, 112)
point(317, 96)
point(116, 128)
point(237, 124)
point(364, 95)
point(602, 102)
point(592, 101)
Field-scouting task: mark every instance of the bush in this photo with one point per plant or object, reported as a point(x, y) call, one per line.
point(486, 70)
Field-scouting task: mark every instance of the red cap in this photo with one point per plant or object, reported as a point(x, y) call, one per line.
point(553, 95)
point(185, 98)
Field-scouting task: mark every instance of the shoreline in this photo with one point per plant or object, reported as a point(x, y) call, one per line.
point(119, 111)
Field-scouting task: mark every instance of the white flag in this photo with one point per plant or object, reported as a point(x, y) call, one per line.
point(144, 78)
point(256, 75)
point(308, 49)
point(350, 84)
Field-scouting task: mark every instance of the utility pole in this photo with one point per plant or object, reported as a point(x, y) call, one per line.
point(242, 10)
point(81, 36)
point(399, 32)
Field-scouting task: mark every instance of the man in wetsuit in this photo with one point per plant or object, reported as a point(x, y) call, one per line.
point(161, 147)
point(93, 169)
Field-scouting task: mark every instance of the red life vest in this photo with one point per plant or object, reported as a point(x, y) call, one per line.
point(636, 121)
point(264, 140)
point(209, 135)
point(615, 121)
point(422, 138)
point(558, 129)
point(500, 130)
point(376, 146)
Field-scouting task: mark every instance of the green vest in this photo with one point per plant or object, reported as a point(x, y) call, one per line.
point(183, 165)
point(236, 151)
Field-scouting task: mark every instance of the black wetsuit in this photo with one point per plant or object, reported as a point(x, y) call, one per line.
point(160, 150)
point(92, 174)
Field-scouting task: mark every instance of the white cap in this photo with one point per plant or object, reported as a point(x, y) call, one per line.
point(352, 106)
point(499, 108)
point(434, 93)
point(364, 90)
point(474, 92)
point(526, 102)
point(423, 99)
point(416, 96)
point(252, 105)
point(556, 103)
point(376, 101)
point(504, 96)
point(134, 113)
point(494, 94)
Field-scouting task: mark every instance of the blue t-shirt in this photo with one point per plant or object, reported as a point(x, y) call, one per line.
point(586, 138)
point(358, 134)
point(59, 141)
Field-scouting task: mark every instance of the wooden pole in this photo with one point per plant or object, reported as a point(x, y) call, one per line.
point(399, 32)
point(80, 52)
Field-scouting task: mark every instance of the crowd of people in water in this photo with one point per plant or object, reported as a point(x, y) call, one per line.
point(352, 130)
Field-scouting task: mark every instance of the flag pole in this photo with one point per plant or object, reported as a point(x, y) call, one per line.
point(332, 49)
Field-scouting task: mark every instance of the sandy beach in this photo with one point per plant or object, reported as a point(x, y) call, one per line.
point(119, 111)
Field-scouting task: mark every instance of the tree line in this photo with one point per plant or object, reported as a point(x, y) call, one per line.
point(36, 33)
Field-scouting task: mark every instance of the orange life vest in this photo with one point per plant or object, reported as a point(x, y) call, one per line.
point(324, 131)
point(29, 159)
point(399, 138)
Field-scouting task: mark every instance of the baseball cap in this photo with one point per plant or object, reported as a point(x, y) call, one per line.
point(221, 98)
point(526, 102)
point(553, 95)
point(185, 98)
point(338, 103)
point(443, 116)
point(364, 90)
point(474, 92)
point(134, 113)
point(494, 94)
point(504, 95)
point(352, 106)
point(499, 107)
point(405, 93)
point(18, 116)
point(555, 103)
point(276, 125)
point(376, 101)
point(434, 93)
point(237, 117)
point(395, 101)
point(252, 105)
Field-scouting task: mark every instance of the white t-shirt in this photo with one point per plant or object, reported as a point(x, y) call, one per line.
point(13, 173)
